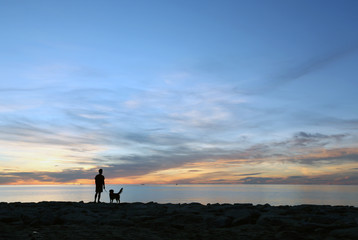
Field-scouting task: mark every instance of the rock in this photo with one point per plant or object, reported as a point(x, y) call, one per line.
point(219, 222)
point(348, 233)
point(9, 219)
point(46, 219)
point(289, 235)
point(275, 220)
point(242, 216)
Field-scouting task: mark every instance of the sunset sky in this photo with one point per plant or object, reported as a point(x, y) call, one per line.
point(179, 91)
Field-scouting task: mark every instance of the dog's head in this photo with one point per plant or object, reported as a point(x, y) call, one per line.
point(111, 191)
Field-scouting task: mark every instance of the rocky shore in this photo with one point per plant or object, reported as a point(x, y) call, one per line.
point(70, 220)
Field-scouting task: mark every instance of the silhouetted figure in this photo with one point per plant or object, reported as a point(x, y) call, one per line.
point(99, 179)
point(115, 196)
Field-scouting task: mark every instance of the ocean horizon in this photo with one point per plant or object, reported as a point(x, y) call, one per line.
point(187, 193)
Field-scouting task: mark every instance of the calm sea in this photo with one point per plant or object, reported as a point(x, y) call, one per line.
point(256, 194)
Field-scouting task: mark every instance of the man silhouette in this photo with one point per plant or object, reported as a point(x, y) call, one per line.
point(99, 180)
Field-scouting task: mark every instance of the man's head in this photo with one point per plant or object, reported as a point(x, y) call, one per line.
point(100, 171)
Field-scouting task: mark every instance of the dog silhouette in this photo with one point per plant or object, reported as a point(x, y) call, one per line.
point(116, 196)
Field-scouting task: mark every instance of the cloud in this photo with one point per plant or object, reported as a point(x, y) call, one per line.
point(136, 165)
point(339, 157)
point(166, 129)
point(300, 70)
point(50, 177)
point(179, 152)
point(15, 100)
point(249, 174)
point(315, 64)
point(303, 139)
point(5, 179)
point(122, 166)
point(129, 165)
point(22, 130)
point(346, 178)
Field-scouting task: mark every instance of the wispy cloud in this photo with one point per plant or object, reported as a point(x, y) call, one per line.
point(337, 157)
point(347, 178)
point(304, 139)
point(249, 174)
point(315, 64)
point(299, 70)
point(69, 176)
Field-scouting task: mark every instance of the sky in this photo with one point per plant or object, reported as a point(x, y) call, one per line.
point(179, 91)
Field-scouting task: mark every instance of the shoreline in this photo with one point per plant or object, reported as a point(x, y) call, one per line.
point(79, 220)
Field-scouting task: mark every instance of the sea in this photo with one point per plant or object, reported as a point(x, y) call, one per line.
point(274, 195)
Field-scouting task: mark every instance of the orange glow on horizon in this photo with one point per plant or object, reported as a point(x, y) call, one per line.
point(214, 171)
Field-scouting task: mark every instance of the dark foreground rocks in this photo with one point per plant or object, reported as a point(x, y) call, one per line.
point(68, 220)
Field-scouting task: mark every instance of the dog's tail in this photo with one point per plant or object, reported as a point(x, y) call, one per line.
point(120, 191)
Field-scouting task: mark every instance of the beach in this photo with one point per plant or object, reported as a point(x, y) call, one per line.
point(79, 220)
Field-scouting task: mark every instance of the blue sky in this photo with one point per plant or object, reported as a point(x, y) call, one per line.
point(179, 91)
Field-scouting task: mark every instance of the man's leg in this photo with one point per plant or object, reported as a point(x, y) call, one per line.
point(99, 196)
point(95, 197)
